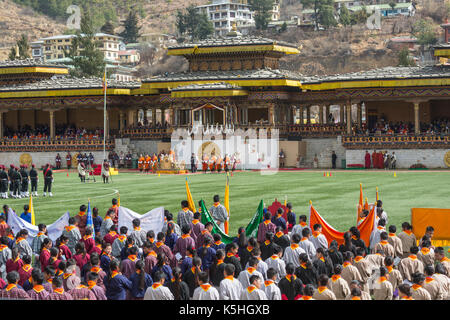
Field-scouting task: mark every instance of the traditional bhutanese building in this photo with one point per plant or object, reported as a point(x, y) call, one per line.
point(236, 81)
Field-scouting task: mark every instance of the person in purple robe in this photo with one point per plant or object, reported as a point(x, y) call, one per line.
point(184, 242)
point(98, 291)
point(160, 247)
point(58, 291)
point(205, 233)
point(162, 267)
point(265, 227)
point(37, 291)
point(128, 265)
point(196, 226)
point(13, 291)
point(82, 292)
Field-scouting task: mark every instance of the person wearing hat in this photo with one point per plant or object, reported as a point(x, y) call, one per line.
point(34, 180)
point(105, 171)
point(16, 179)
point(82, 171)
point(3, 183)
point(24, 185)
point(10, 177)
point(48, 180)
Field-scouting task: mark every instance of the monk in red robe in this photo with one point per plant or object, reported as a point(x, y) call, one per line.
point(374, 159)
point(367, 160)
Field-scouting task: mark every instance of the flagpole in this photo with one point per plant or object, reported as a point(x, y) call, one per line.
point(104, 116)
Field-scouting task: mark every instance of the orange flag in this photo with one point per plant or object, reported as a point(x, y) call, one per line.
point(366, 205)
point(366, 227)
point(328, 231)
point(360, 204)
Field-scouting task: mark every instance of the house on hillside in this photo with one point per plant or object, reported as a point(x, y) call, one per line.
point(223, 13)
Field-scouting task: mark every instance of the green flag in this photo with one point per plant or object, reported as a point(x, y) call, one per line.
point(250, 231)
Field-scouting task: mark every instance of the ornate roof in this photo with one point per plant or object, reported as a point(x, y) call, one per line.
point(29, 63)
point(67, 86)
point(380, 77)
point(232, 44)
point(217, 76)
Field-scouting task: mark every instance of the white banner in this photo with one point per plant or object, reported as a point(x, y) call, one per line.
point(152, 220)
point(54, 230)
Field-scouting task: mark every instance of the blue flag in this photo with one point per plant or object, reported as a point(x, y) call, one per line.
point(90, 219)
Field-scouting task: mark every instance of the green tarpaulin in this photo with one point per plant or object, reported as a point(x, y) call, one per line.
point(250, 231)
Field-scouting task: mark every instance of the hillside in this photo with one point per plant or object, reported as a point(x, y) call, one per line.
point(15, 20)
point(336, 50)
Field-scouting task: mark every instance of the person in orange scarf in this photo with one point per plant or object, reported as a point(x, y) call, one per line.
point(408, 239)
point(338, 285)
point(141, 161)
point(322, 292)
point(383, 289)
point(81, 219)
point(418, 292)
point(147, 163)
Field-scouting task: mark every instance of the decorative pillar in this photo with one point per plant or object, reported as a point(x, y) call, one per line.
point(171, 115)
point(1, 125)
point(348, 106)
point(163, 115)
point(271, 112)
point(359, 114)
point(321, 114)
point(302, 115)
point(52, 124)
point(121, 120)
point(416, 118)
point(154, 116)
point(144, 120)
point(308, 114)
point(341, 116)
point(327, 111)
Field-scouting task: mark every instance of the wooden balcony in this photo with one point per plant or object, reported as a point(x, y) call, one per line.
point(50, 145)
point(397, 142)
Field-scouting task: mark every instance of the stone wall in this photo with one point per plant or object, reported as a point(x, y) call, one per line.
point(431, 158)
point(42, 158)
point(323, 148)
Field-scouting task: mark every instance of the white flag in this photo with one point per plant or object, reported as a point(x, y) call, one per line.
point(152, 220)
point(54, 230)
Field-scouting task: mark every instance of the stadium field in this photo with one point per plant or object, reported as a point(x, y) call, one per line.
point(335, 197)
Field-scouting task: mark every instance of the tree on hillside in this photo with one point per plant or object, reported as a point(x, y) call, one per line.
point(262, 15)
point(85, 56)
point(107, 28)
point(131, 32)
point(326, 16)
point(323, 11)
point(424, 32)
point(359, 16)
point(193, 24)
point(344, 16)
point(21, 50)
point(404, 60)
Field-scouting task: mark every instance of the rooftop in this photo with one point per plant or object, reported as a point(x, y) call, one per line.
point(232, 44)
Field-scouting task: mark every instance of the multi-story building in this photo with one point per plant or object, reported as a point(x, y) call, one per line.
point(54, 48)
point(223, 13)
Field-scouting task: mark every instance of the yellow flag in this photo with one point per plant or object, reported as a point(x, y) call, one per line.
point(360, 203)
point(226, 203)
point(118, 200)
point(377, 194)
point(189, 198)
point(33, 220)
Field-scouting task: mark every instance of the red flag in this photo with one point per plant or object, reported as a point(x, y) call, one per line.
point(328, 231)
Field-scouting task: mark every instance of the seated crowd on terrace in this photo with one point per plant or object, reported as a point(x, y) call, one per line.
point(42, 132)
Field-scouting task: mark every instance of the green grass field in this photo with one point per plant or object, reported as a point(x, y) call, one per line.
point(334, 197)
